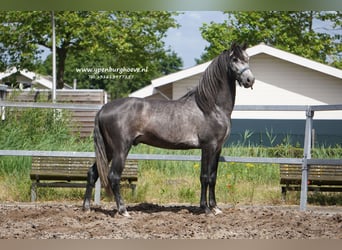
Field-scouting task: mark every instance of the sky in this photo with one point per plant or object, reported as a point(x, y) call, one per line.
point(187, 41)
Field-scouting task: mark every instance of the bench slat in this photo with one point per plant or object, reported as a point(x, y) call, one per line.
point(61, 168)
point(320, 177)
point(316, 172)
point(71, 172)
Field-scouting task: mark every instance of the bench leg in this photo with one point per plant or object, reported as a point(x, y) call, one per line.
point(283, 193)
point(33, 192)
point(133, 187)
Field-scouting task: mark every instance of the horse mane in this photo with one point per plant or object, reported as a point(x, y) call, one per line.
point(217, 74)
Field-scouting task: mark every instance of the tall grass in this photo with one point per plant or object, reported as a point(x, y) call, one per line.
point(158, 181)
point(171, 181)
point(32, 129)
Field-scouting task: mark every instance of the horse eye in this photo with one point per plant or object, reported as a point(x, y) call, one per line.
point(235, 59)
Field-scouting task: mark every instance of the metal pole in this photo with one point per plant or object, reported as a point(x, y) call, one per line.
point(54, 81)
point(307, 155)
point(75, 84)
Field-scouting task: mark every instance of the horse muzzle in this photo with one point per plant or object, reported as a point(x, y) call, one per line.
point(246, 78)
point(249, 82)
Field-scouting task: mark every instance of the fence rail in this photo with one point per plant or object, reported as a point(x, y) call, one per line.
point(306, 161)
point(92, 107)
point(96, 107)
point(174, 157)
point(158, 157)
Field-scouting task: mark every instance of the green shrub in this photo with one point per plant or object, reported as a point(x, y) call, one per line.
point(32, 129)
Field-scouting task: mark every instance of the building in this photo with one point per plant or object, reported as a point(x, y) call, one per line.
point(24, 79)
point(34, 88)
point(282, 78)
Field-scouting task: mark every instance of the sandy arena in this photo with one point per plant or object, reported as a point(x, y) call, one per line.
point(150, 221)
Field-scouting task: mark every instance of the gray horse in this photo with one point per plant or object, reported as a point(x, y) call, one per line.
point(200, 119)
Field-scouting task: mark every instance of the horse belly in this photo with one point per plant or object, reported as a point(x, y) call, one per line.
point(168, 136)
point(170, 139)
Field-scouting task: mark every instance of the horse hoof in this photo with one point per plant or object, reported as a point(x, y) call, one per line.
point(216, 211)
point(86, 209)
point(125, 214)
point(206, 210)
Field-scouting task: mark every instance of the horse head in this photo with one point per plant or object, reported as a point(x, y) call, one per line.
point(239, 65)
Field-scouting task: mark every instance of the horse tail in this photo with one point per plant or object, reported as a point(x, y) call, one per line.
point(101, 156)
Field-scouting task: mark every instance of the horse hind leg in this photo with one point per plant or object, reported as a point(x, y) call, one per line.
point(114, 178)
point(92, 177)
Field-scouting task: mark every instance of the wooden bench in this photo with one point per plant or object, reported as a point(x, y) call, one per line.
point(320, 178)
point(71, 172)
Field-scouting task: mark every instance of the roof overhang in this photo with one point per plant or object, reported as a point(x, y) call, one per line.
point(299, 60)
point(35, 78)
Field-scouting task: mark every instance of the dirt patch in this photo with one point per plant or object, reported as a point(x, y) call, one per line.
point(149, 221)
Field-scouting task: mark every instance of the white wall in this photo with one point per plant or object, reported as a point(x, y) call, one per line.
point(280, 83)
point(183, 86)
point(283, 83)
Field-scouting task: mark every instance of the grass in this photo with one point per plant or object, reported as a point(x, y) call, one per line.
point(158, 181)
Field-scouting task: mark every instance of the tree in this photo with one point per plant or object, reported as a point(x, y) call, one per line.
point(169, 63)
point(290, 31)
point(126, 38)
point(118, 85)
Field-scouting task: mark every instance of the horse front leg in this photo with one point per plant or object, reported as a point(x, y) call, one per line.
point(204, 186)
point(212, 184)
point(208, 178)
point(92, 177)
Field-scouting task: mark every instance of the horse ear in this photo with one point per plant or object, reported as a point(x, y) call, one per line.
point(244, 46)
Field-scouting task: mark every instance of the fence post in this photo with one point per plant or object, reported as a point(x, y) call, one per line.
point(306, 156)
point(3, 90)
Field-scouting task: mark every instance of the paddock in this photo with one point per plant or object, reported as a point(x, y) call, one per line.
point(306, 161)
point(173, 221)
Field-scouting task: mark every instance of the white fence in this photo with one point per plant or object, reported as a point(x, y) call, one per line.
point(305, 161)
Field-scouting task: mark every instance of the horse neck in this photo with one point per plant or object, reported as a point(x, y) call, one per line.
point(216, 88)
point(226, 96)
